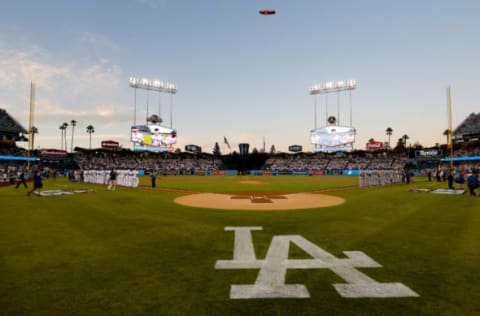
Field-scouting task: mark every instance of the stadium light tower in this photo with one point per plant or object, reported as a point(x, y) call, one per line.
point(450, 127)
point(30, 123)
point(155, 85)
point(331, 87)
point(333, 136)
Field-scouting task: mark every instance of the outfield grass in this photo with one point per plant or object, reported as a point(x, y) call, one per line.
point(288, 184)
point(134, 252)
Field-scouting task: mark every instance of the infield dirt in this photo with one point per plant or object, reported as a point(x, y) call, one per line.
point(278, 202)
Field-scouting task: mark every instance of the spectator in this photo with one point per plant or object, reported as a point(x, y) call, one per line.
point(21, 180)
point(472, 182)
point(37, 183)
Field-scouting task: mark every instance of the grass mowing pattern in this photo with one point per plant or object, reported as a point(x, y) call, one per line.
point(133, 252)
point(284, 184)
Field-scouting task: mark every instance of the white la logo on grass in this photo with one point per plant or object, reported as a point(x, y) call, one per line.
point(270, 281)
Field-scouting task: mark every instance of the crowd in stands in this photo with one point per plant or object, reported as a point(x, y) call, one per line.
point(185, 163)
point(188, 163)
point(329, 162)
point(467, 152)
point(13, 151)
point(399, 163)
point(471, 125)
point(364, 163)
point(161, 163)
point(296, 162)
point(10, 169)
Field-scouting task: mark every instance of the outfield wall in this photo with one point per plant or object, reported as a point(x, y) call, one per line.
point(306, 172)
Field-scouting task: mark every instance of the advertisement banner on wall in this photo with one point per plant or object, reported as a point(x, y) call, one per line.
point(110, 144)
point(428, 153)
point(348, 172)
point(300, 172)
point(374, 146)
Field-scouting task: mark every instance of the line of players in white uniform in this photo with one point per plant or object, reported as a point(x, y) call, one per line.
point(371, 178)
point(127, 178)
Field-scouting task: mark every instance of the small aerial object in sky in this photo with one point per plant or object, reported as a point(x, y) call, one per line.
point(266, 12)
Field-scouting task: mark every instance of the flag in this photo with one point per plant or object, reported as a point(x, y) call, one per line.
point(225, 141)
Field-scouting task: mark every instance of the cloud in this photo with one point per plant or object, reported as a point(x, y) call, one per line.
point(96, 41)
point(59, 80)
point(90, 92)
point(17, 67)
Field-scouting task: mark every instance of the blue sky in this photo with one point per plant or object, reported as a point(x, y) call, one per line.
point(240, 74)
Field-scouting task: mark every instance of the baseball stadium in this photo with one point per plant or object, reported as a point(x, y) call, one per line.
point(186, 234)
point(124, 194)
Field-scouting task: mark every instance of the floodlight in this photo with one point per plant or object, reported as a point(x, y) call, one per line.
point(351, 83)
point(331, 86)
point(148, 84)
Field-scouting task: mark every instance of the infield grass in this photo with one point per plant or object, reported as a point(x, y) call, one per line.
point(135, 252)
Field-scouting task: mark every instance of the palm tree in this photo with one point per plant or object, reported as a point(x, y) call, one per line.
point(400, 147)
point(90, 130)
point(62, 129)
point(33, 131)
point(273, 149)
point(73, 123)
point(447, 133)
point(404, 138)
point(65, 125)
point(216, 149)
point(389, 132)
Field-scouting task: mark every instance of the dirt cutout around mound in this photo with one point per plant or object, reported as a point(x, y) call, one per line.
point(292, 201)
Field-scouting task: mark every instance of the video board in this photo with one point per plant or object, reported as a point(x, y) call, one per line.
point(153, 137)
point(193, 148)
point(333, 138)
point(295, 148)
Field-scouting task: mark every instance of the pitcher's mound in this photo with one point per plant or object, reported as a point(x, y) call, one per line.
point(260, 201)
